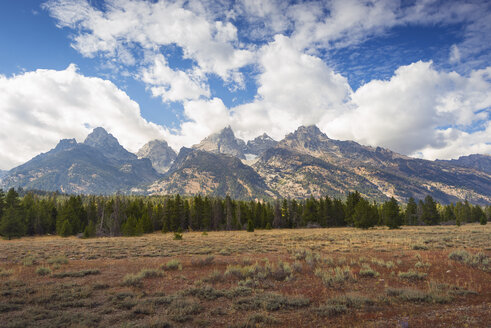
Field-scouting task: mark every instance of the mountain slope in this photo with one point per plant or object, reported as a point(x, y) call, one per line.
point(196, 171)
point(159, 153)
point(478, 162)
point(299, 175)
point(390, 173)
point(72, 167)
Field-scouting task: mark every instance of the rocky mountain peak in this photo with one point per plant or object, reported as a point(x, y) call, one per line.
point(260, 144)
point(159, 153)
point(100, 139)
point(65, 144)
point(223, 142)
point(310, 131)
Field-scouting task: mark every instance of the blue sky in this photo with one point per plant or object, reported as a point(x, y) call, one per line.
point(179, 70)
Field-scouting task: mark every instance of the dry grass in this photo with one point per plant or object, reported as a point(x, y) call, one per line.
point(419, 276)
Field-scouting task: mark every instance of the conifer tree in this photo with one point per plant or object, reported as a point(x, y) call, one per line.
point(391, 214)
point(411, 213)
point(250, 226)
point(430, 213)
point(365, 215)
point(11, 222)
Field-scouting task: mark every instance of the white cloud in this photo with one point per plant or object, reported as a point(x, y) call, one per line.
point(419, 110)
point(41, 107)
point(126, 25)
point(294, 89)
point(205, 117)
point(173, 85)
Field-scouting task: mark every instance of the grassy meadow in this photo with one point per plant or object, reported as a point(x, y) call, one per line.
point(438, 276)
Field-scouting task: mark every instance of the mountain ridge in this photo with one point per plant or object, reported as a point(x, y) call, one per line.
point(303, 164)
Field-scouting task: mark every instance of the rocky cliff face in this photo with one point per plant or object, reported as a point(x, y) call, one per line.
point(196, 171)
point(260, 144)
point(86, 168)
point(159, 153)
point(223, 142)
point(478, 162)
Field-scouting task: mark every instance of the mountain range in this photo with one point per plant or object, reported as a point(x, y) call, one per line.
point(305, 163)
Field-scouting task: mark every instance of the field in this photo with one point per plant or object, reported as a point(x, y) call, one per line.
point(341, 277)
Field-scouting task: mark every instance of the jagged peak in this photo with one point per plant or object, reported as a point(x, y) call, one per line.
point(100, 137)
point(306, 131)
point(65, 144)
point(264, 136)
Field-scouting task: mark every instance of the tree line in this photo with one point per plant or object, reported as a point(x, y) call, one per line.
point(117, 215)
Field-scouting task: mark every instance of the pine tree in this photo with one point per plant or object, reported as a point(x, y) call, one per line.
point(64, 228)
point(351, 202)
point(391, 215)
point(411, 214)
point(430, 213)
point(250, 226)
point(365, 215)
point(11, 222)
point(90, 230)
point(132, 227)
point(2, 202)
point(11, 225)
point(448, 213)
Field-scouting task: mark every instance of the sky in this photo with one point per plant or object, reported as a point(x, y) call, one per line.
point(412, 76)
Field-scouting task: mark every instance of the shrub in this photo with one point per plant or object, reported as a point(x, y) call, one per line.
point(338, 275)
point(201, 262)
point(478, 260)
point(330, 310)
point(28, 261)
point(136, 280)
point(367, 271)
point(58, 260)
point(5, 273)
point(172, 265)
point(418, 296)
point(181, 310)
point(177, 236)
point(43, 271)
point(412, 275)
point(459, 255)
point(76, 274)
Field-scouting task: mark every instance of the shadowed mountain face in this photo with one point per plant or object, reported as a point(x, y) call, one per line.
point(223, 142)
point(306, 162)
point(196, 171)
point(73, 167)
point(476, 161)
point(159, 153)
point(260, 144)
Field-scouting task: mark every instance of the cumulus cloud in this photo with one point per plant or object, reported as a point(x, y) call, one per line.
point(294, 89)
point(419, 111)
point(126, 26)
point(41, 107)
point(173, 85)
